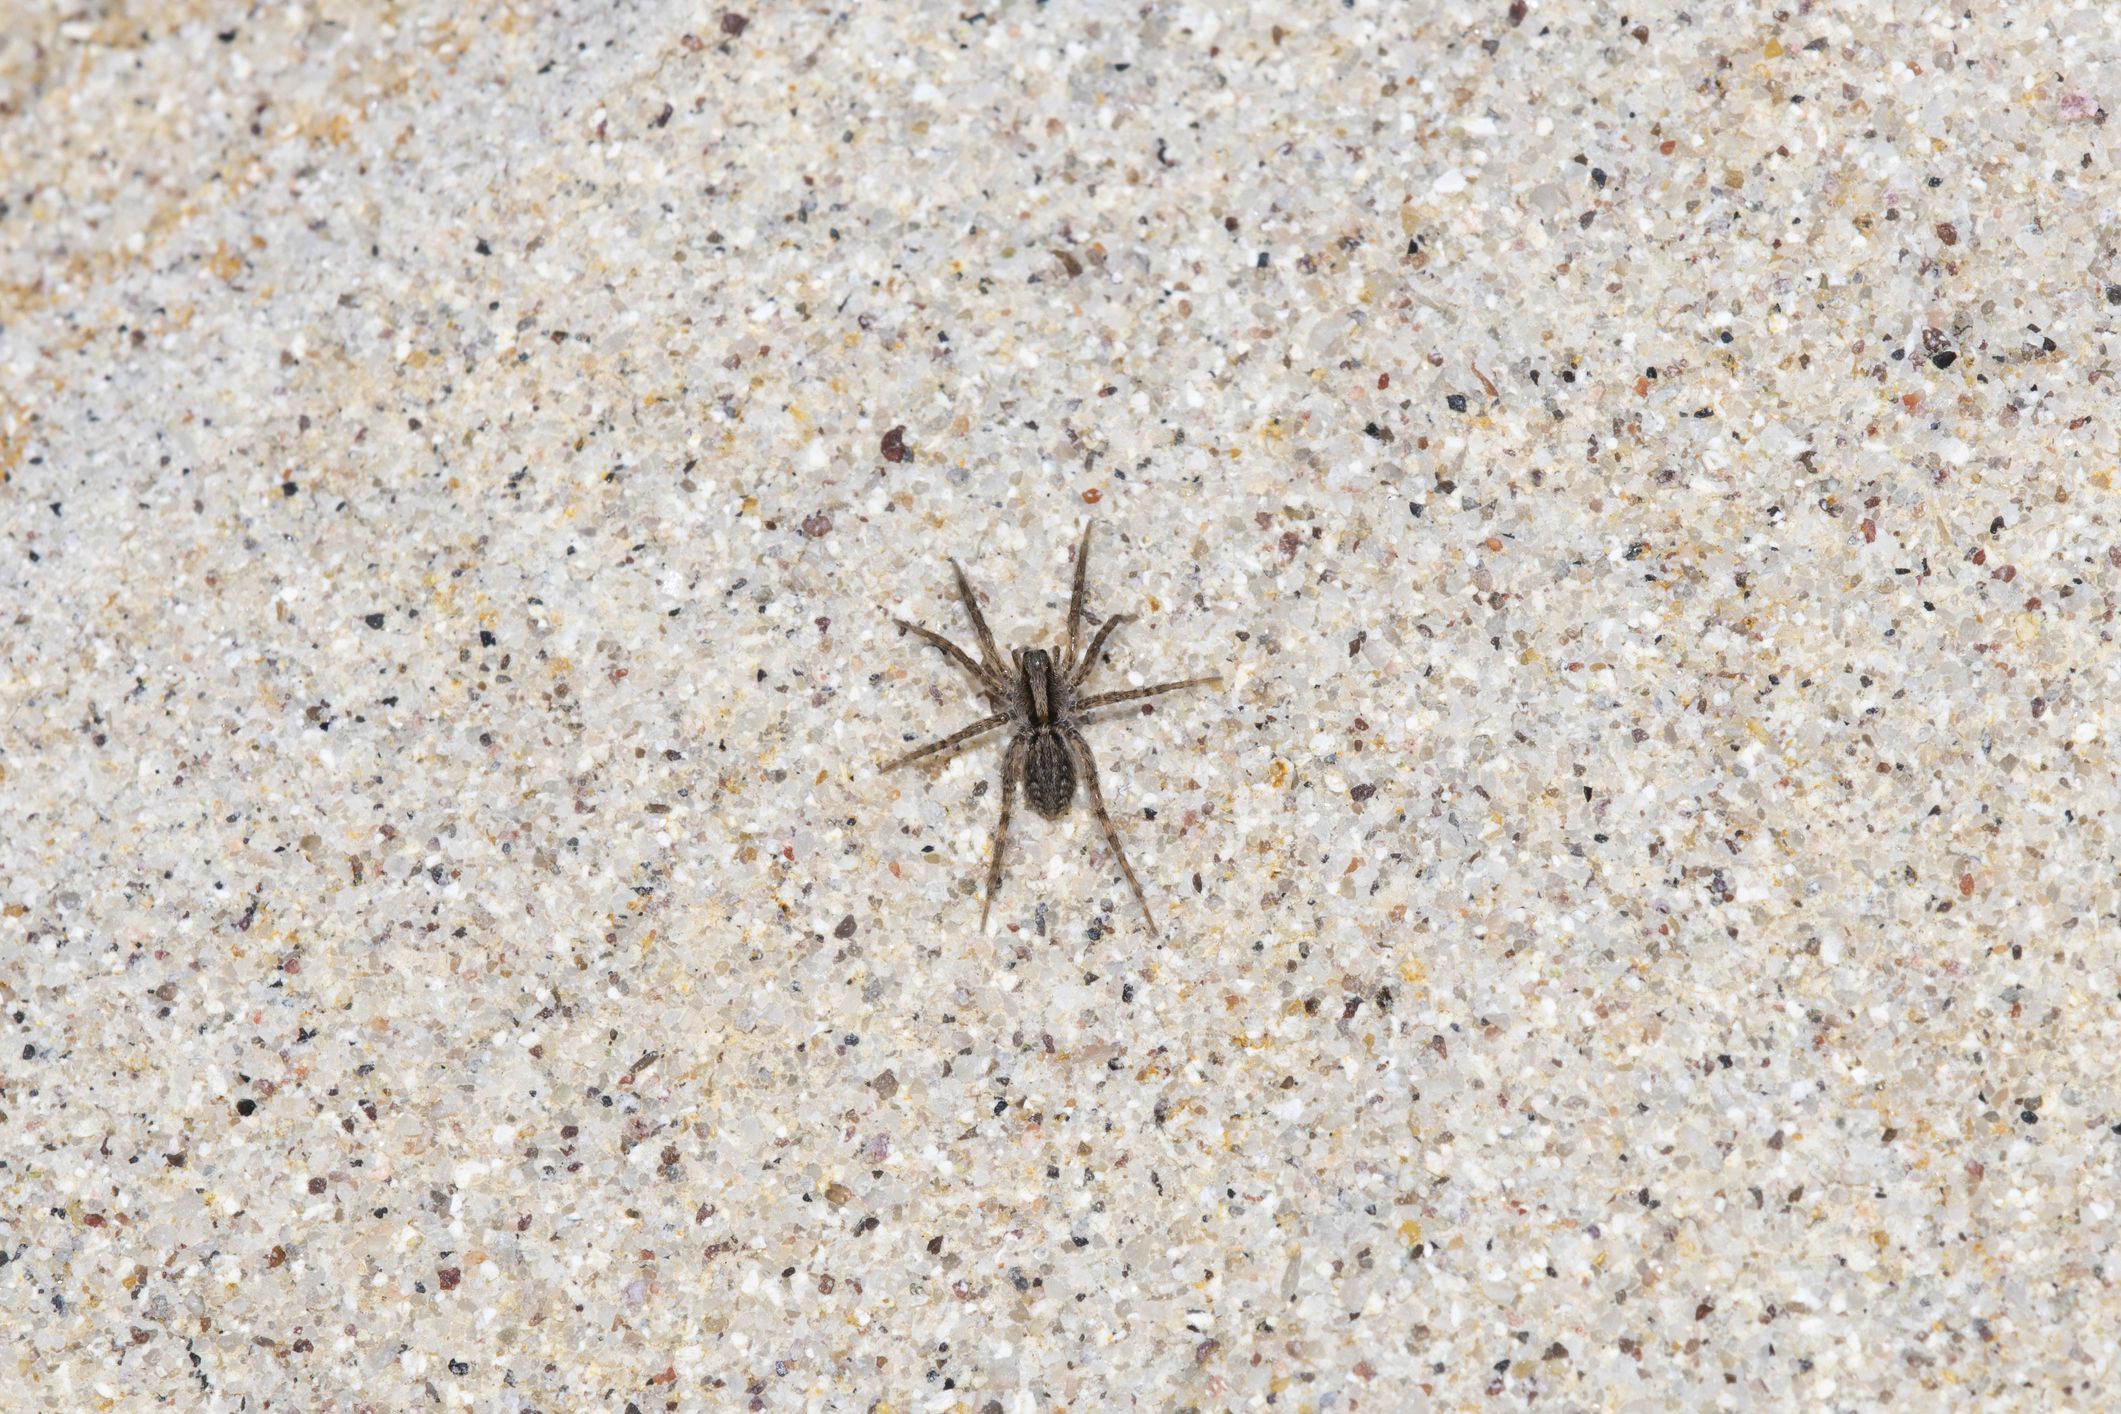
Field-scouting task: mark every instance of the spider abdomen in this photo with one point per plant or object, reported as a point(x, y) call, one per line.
point(1049, 774)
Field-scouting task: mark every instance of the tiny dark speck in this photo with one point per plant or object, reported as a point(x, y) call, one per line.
point(373, 620)
point(483, 248)
point(226, 36)
point(1598, 176)
point(1261, 263)
point(1944, 359)
point(486, 638)
point(288, 488)
point(246, 1106)
point(1456, 402)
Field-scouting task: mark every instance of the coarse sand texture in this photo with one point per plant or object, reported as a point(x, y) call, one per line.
point(1634, 916)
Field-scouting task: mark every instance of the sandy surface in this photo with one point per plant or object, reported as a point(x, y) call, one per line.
point(1638, 920)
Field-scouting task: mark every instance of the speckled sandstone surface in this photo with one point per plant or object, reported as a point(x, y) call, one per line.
point(1639, 920)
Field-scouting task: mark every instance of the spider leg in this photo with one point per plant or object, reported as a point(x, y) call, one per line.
point(950, 742)
point(986, 680)
point(1012, 767)
point(993, 659)
point(1075, 605)
point(1097, 645)
point(1111, 699)
point(1088, 766)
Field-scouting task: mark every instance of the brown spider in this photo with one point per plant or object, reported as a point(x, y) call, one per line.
point(1040, 701)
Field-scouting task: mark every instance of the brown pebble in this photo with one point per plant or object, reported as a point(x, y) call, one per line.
point(733, 23)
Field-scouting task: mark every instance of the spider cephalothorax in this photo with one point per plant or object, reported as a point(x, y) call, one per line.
point(1049, 766)
point(1043, 704)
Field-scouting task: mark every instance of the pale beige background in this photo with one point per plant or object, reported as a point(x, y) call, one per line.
point(1654, 944)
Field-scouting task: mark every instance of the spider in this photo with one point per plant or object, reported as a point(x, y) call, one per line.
point(1042, 702)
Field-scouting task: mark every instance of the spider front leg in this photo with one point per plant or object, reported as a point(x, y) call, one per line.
point(1075, 605)
point(955, 739)
point(1012, 767)
point(991, 684)
point(987, 651)
point(1097, 646)
point(1086, 764)
point(1131, 694)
